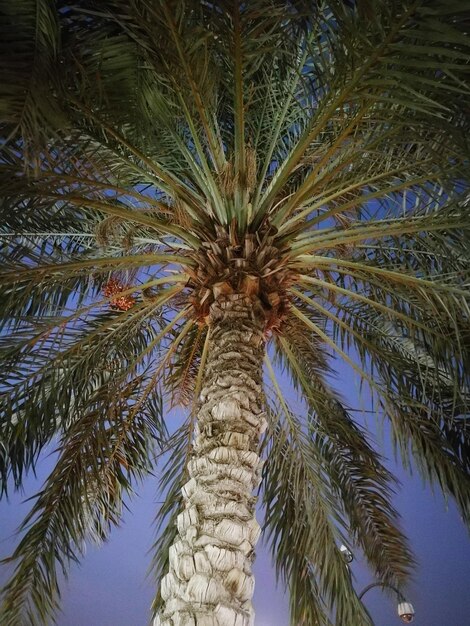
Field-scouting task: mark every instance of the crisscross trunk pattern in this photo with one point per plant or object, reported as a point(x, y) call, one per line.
point(210, 582)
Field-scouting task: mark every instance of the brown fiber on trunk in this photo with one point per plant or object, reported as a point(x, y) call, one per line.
point(209, 582)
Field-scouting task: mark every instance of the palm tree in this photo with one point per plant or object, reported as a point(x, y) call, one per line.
point(196, 196)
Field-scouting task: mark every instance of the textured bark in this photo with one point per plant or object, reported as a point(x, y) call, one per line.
point(209, 582)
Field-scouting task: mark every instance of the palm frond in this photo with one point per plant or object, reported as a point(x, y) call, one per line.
point(368, 81)
point(425, 395)
point(185, 367)
point(295, 480)
point(30, 74)
point(358, 476)
point(100, 457)
point(173, 477)
point(301, 522)
point(43, 396)
point(419, 376)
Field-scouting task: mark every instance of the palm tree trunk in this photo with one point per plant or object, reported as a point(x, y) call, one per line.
point(210, 581)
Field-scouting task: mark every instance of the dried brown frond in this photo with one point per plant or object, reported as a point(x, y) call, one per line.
point(250, 168)
point(306, 345)
point(128, 239)
point(344, 220)
point(180, 214)
point(228, 180)
point(107, 229)
point(184, 368)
